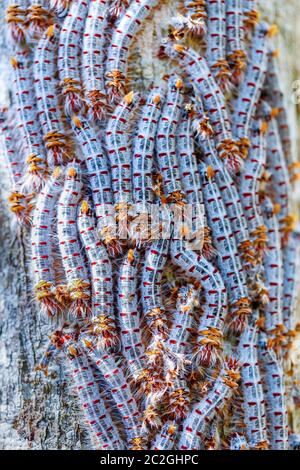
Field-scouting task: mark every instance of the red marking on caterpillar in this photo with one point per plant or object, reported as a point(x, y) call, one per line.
point(118, 8)
point(228, 259)
point(36, 166)
point(93, 58)
point(42, 247)
point(103, 319)
point(74, 264)
point(216, 42)
point(57, 143)
point(236, 53)
point(254, 402)
point(203, 412)
point(68, 57)
point(128, 26)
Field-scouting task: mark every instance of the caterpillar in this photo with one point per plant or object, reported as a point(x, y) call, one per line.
point(57, 143)
point(254, 402)
point(41, 245)
point(291, 262)
point(193, 20)
point(238, 442)
point(118, 8)
point(236, 47)
point(166, 141)
point(36, 166)
point(68, 57)
point(165, 439)
point(93, 58)
point(78, 284)
point(104, 431)
point(203, 412)
point(250, 89)
point(273, 270)
point(249, 189)
point(227, 259)
point(60, 7)
point(280, 186)
point(210, 331)
point(114, 378)
point(15, 19)
point(99, 181)
point(213, 100)
point(129, 316)
point(119, 152)
point(216, 42)
point(128, 26)
point(38, 19)
point(228, 189)
point(102, 320)
point(251, 14)
point(277, 419)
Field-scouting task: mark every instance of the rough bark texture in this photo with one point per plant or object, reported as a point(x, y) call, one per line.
point(39, 412)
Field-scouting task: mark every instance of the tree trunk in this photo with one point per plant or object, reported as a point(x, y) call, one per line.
point(40, 412)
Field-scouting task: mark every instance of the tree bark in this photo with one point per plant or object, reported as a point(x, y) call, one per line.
point(40, 412)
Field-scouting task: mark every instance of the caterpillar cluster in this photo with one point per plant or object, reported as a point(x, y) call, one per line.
point(163, 240)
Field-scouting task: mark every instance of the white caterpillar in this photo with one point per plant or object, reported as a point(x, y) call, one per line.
point(68, 57)
point(228, 259)
point(128, 26)
point(254, 402)
point(93, 69)
point(70, 249)
point(236, 47)
point(103, 318)
point(56, 141)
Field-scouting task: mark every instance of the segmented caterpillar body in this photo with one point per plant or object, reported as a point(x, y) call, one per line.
point(60, 7)
point(69, 245)
point(103, 319)
point(227, 255)
point(277, 419)
point(36, 165)
point(121, 393)
point(251, 14)
point(93, 69)
point(216, 41)
point(254, 402)
point(251, 87)
point(68, 57)
point(236, 47)
point(50, 116)
point(129, 316)
point(203, 412)
point(213, 100)
point(128, 26)
point(238, 442)
point(99, 180)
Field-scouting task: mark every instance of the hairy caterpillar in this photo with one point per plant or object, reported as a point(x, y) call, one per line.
point(236, 48)
point(36, 165)
point(273, 270)
point(277, 420)
point(105, 433)
point(165, 439)
point(251, 14)
point(118, 8)
point(203, 412)
point(216, 42)
point(250, 89)
point(41, 246)
point(228, 190)
point(15, 19)
point(249, 188)
point(238, 442)
point(99, 181)
point(291, 263)
point(56, 141)
point(192, 21)
point(213, 100)
point(93, 70)
point(38, 19)
point(129, 316)
point(128, 26)
point(102, 321)
point(166, 141)
point(60, 7)
point(73, 261)
point(68, 57)
point(254, 402)
point(122, 395)
point(227, 255)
